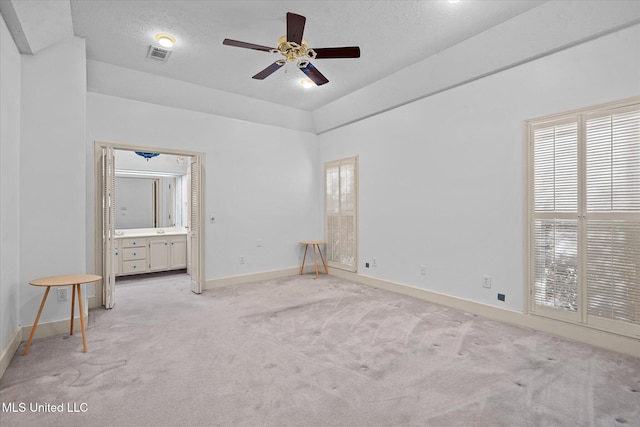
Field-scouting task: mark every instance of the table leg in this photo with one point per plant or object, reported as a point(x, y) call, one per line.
point(73, 306)
point(326, 270)
point(304, 257)
point(84, 338)
point(35, 324)
point(315, 261)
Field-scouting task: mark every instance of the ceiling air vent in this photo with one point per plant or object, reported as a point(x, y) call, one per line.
point(158, 53)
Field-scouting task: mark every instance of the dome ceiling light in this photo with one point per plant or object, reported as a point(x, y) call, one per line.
point(165, 40)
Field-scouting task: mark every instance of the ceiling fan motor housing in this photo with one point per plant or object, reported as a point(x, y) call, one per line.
point(293, 51)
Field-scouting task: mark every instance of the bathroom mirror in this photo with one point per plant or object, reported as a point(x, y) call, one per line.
point(146, 200)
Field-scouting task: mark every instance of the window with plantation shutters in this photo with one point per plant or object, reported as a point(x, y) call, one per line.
point(585, 217)
point(555, 220)
point(341, 199)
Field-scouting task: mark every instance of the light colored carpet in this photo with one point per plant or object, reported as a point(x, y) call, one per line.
point(305, 352)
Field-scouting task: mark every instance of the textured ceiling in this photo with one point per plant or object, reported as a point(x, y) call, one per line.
point(391, 34)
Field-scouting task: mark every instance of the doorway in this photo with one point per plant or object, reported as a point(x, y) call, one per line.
point(176, 211)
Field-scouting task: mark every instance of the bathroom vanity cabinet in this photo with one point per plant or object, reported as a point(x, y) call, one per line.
point(140, 253)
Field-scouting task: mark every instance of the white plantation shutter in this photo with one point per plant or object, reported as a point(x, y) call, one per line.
point(585, 228)
point(555, 148)
point(196, 270)
point(108, 224)
point(556, 167)
point(333, 238)
point(556, 264)
point(613, 271)
point(341, 201)
point(613, 218)
point(613, 156)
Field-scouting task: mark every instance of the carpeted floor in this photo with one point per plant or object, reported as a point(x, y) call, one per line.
point(305, 352)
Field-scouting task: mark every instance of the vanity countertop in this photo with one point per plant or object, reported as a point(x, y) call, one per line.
point(149, 232)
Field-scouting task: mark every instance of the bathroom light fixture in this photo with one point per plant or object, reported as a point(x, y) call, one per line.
point(165, 40)
point(147, 155)
point(307, 83)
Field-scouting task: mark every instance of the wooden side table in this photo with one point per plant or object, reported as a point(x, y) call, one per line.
point(74, 280)
point(314, 245)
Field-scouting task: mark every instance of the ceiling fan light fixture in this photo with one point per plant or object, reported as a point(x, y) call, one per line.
point(307, 83)
point(165, 40)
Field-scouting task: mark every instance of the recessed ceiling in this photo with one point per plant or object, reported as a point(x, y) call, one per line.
point(391, 34)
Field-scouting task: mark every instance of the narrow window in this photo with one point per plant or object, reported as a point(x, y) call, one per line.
point(341, 201)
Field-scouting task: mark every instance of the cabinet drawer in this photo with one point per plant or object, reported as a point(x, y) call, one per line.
point(134, 266)
point(133, 243)
point(129, 254)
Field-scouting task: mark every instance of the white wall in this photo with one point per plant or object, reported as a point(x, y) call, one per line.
point(9, 186)
point(52, 172)
point(109, 79)
point(442, 179)
point(260, 180)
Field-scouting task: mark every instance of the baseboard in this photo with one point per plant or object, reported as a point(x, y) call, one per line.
point(10, 349)
point(248, 278)
point(610, 341)
point(49, 329)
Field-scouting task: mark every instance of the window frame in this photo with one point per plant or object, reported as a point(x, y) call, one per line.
point(581, 316)
point(339, 163)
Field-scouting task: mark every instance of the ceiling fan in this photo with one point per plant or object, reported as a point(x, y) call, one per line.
point(296, 49)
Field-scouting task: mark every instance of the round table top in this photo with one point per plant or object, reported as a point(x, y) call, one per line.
point(312, 242)
point(65, 280)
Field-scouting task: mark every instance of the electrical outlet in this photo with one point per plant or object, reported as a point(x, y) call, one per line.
point(486, 281)
point(241, 260)
point(501, 297)
point(374, 262)
point(259, 243)
point(366, 264)
point(62, 294)
point(423, 270)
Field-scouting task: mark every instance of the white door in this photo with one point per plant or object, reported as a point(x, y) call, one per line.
point(108, 226)
point(194, 244)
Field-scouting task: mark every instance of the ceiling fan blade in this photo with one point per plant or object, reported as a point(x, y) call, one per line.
point(246, 45)
point(337, 52)
point(268, 71)
point(295, 27)
point(315, 75)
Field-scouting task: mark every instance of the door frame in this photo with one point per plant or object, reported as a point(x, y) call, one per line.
point(97, 299)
